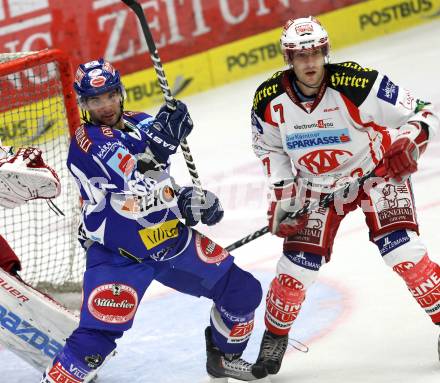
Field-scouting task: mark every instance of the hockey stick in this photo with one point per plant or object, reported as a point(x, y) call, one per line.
point(169, 98)
point(308, 207)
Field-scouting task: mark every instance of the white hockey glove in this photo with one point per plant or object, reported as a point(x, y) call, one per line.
point(281, 202)
point(24, 176)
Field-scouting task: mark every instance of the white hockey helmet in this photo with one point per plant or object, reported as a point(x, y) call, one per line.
point(301, 34)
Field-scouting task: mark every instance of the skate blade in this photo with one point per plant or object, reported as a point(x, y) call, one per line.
point(263, 380)
point(231, 380)
point(212, 379)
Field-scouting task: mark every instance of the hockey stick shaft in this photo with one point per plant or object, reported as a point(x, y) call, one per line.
point(169, 98)
point(307, 208)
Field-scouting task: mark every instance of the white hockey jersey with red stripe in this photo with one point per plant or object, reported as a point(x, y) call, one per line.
point(343, 133)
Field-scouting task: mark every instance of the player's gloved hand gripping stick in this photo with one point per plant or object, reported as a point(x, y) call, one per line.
point(171, 102)
point(311, 205)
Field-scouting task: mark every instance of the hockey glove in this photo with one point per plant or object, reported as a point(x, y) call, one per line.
point(176, 124)
point(281, 202)
point(8, 259)
point(400, 160)
point(193, 211)
point(32, 157)
point(24, 176)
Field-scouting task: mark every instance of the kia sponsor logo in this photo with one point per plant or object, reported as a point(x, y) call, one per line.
point(290, 282)
point(403, 267)
point(323, 161)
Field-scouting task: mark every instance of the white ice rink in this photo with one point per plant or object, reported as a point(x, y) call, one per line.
point(359, 321)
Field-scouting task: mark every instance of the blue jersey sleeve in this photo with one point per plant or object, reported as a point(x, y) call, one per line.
point(106, 160)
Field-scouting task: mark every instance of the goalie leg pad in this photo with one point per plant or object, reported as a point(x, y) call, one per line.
point(46, 322)
point(236, 297)
point(287, 290)
point(405, 253)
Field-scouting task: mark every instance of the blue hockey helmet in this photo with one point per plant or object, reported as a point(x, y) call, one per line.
point(96, 77)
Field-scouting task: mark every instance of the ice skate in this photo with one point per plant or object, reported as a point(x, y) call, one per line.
point(272, 350)
point(220, 366)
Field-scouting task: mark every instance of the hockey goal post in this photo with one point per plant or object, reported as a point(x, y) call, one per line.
point(38, 108)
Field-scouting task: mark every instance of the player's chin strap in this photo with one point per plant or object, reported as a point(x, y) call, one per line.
point(309, 86)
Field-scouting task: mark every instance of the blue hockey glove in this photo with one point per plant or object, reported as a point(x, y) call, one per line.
point(210, 213)
point(174, 123)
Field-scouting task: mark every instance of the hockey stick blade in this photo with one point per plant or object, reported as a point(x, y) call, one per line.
point(166, 91)
point(308, 207)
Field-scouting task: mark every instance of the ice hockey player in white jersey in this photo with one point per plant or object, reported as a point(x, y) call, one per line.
point(316, 126)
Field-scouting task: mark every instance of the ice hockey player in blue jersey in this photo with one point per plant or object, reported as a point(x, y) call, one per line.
point(133, 232)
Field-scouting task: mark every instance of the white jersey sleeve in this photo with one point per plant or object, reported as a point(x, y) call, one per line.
point(268, 147)
point(266, 136)
point(399, 111)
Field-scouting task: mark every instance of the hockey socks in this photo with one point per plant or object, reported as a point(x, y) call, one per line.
point(66, 368)
point(423, 281)
point(283, 303)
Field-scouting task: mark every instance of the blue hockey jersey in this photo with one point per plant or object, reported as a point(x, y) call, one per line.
point(129, 202)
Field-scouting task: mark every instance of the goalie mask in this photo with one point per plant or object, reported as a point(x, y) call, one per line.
point(303, 34)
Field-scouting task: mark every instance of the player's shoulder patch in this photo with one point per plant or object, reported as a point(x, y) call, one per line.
point(132, 114)
point(82, 138)
point(140, 119)
point(352, 80)
point(266, 92)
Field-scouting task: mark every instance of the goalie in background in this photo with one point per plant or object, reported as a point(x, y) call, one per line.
point(23, 177)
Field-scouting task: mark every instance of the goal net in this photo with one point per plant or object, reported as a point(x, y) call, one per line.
point(38, 109)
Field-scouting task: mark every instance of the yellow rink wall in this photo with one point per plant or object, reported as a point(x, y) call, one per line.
point(258, 53)
point(33, 123)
